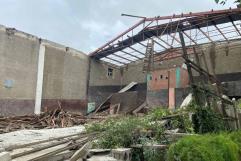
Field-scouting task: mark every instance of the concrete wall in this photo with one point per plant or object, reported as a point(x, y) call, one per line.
point(101, 85)
point(65, 79)
point(134, 73)
point(99, 77)
point(18, 72)
point(65, 74)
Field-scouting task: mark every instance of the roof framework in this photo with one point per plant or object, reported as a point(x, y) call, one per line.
point(197, 28)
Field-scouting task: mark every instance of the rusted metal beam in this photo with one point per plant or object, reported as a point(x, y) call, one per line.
point(128, 15)
point(159, 44)
point(190, 37)
point(194, 19)
point(136, 50)
point(137, 41)
point(190, 14)
point(234, 26)
point(165, 42)
point(130, 54)
point(116, 60)
point(215, 25)
point(174, 38)
point(122, 57)
point(189, 68)
point(205, 34)
point(119, 36)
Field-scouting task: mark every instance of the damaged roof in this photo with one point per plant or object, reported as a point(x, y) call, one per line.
point(197, 28)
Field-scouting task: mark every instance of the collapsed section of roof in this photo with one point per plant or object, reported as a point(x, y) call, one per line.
point(197, 28)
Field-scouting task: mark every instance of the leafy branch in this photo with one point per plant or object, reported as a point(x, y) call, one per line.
point(223, 2)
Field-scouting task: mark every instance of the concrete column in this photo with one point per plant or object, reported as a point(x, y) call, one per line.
point(39, 86)
point(171, 95)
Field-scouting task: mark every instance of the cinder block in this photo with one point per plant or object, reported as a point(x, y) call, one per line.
point(5, 156)
point(123, 154)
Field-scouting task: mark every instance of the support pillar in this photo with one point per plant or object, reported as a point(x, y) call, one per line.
point(39, 87)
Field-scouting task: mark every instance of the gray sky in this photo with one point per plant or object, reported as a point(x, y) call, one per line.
point(88, 24)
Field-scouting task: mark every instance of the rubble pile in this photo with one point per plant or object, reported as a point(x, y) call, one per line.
point(57, 118)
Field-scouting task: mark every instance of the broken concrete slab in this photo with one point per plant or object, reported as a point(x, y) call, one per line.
point(123, 154)
point(101, 158)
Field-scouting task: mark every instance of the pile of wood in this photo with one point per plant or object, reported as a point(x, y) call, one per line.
point(71, 147)
point(51, 119)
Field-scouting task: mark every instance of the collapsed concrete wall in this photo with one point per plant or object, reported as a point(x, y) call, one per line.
point(101, 83)
point(64, 76)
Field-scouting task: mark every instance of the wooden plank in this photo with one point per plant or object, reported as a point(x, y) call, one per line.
point(81, 153)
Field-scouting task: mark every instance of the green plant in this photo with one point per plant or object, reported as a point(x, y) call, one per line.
point(236, 137)
point(123, 132)
point(151, 154)
point(182, 121)
point(158, 112)
point(205, 120)
point(223, 2)
point(204, 148)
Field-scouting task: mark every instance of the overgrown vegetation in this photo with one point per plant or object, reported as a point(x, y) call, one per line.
point(128, 130)
point(125, 131)
point(206, 120)
point(209, 147)
point(131, 130)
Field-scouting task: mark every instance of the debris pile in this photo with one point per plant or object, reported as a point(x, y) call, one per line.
point(57, 118)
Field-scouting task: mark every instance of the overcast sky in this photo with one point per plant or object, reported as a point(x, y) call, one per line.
point(87, 24)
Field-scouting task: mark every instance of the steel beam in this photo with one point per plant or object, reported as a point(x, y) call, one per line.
point(137, 41)
point(122, 57)
point(165, 42)
point(130, 54)
point(189, 68)
point(199, 14)
point(219, 31)
point(175, 38)
point(219, 17)
point(190, 37)
point(205, 34)
point(136, 50)
point(234, 26)
point(159, 44)
point(115, 60)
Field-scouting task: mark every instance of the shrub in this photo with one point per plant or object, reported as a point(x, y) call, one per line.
point(123, 132)
point(236, 138)
point(205, 120)
point(205, 148)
